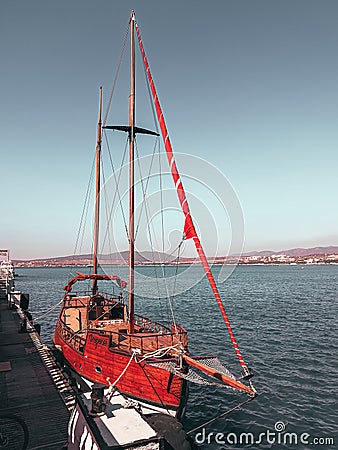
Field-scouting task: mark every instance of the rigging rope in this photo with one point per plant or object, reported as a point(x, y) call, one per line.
point(116, 74)
point(84, 214)
point(189, 228)
point(149, 222)
point(160, 188)
point(144, 188)
point(79, 237)
point(176, 269)
point(49, 310)
point(112, 385)
point(108, 215)
point(160, 170)
point(117, 183)
point(153, 387)
point(159, 353)
point(208, 422)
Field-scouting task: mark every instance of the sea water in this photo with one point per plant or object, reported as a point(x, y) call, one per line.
point(285, 320)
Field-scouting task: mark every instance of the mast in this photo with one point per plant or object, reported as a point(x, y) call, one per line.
point(132, 130)
point(97, 193)
point(131, 258)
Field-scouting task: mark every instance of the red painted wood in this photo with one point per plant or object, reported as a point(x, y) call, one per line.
point(141, 381)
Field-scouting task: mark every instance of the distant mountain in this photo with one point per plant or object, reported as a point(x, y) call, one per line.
point(159, 257)
point(297, 251)
point(114, 258)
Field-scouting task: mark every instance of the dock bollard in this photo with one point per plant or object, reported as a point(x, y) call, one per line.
point(24, 301)
point(23, 325)
point(98, 400)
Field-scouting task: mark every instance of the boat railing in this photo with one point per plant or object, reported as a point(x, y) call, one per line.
point(77, 301)
point(112, 297)
point(70, 336)
point(149, 325)
point(148, 341)
point(88, 294)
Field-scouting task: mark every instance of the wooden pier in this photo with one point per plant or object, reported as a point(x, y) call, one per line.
point(35, 400)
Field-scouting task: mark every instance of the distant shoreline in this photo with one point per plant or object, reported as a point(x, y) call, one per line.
point(295, 256)
point(239, 263)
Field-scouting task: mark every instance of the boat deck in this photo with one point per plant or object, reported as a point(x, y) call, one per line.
point(27, 390)
point(82, 314)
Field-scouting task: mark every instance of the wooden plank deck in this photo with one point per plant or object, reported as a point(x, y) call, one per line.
point(27, 390)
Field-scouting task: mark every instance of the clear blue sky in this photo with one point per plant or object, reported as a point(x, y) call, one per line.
point(250, 86)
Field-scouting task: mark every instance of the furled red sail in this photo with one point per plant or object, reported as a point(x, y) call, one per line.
point(189, 228)
point(92, 276)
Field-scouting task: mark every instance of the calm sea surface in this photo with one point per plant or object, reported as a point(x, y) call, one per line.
point(285, 319)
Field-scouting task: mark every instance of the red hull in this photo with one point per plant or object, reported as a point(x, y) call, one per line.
point(97, 362)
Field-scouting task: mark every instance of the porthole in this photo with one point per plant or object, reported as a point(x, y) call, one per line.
point(98, 369)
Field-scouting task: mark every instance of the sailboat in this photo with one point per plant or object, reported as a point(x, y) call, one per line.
point(101, 336)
